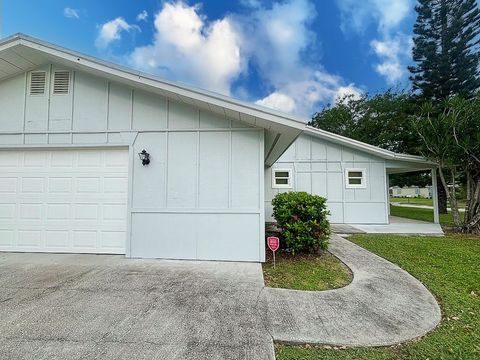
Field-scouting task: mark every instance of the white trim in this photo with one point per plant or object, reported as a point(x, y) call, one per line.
point(363, 185)
point(289, 184)
point(261, 202)
point(436, 216)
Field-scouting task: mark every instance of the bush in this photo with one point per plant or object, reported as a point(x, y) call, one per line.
point(303, 220)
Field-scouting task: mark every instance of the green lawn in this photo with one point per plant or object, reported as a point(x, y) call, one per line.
point(305, 272)
point(414, 201)
point(450, 267)
point(420, 214)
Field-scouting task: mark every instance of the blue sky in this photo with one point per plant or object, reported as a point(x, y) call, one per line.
point(293, 55)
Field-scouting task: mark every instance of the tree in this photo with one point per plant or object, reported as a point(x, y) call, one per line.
point(445, 51)
point(450, 134)
point(382, 120)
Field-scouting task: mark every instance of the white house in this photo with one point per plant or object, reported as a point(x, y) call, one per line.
point(72, 133)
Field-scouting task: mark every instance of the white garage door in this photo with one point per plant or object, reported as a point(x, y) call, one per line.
point(63, 200)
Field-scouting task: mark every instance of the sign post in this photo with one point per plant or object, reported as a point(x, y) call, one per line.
point(273, 243)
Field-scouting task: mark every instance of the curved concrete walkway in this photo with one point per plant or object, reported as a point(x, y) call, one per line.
point(383, 305)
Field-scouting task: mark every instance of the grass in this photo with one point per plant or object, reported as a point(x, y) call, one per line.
point(449, 267)
point(306, 272)
point(421, 201)
point(413, 201)
point(421, 214)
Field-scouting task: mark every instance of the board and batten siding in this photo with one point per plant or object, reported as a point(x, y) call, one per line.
point(318, 167)
point(201, 197)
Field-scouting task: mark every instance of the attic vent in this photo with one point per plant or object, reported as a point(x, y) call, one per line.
point(61, 82)
point(37, 82)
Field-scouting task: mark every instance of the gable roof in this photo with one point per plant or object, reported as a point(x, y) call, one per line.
point(20, 53)
point(367, 148)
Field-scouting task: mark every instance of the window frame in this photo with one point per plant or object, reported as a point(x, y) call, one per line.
point(363, 185)
point(289, 184)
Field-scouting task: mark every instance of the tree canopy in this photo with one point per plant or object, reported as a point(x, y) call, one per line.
point(445, 52)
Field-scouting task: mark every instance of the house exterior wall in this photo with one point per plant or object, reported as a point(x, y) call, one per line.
point(319, 168)
point(201, 197)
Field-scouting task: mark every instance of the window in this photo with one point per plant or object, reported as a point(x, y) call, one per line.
point(61, 82)
point(281, 178)
point(38, 82)
point(355, 178)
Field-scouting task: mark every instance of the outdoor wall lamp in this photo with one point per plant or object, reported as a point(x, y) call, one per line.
point(145, 157)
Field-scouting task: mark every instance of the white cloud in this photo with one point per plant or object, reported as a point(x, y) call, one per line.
point(279, 39)
point(187, 47)
point(251, 3)
point(71, 13)
point(392, 47)
point(111, 31)
point(304, 95)
point(274, 41)
point(387, 14)
point(278, 101)
point(393, 53)
point(349, 90)
point(142, 16)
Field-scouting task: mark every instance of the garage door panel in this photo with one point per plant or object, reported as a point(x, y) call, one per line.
point(117, 185)
point(64, 200)
point(7, 211)
point(7, 238)
point(60, 185)
point(86, 212)
point(61, 159)
point(60, 211)
point(114, 212)
point(30, 212)
point(8, 159)
point(89, 158)
point(29, 238)
point(112, 239)
point(84, 239)
point(87, 185)
point(34, 159)
point(57, 239)
point(8, 185)
point(34, 185)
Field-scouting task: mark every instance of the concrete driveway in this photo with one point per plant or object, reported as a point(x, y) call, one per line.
point(107, 307)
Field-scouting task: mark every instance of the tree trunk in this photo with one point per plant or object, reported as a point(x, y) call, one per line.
point(472, 214)
point(442, 197)
point(453, 200)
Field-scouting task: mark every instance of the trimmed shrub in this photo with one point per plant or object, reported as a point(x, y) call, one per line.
point(303, 220)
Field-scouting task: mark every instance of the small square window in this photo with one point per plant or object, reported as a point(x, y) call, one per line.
point(282, 178)
point(355, 178)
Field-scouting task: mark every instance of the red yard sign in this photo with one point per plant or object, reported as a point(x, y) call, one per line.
point(273, 243)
